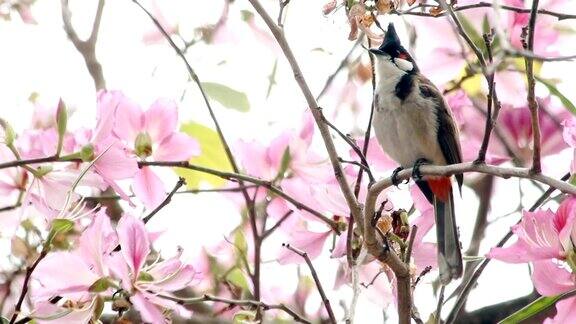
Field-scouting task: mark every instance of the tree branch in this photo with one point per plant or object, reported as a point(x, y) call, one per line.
point(413, 11)
point(238, 302)
point(353, 204)
point(27, 277)
point(240, 177)
point(166, 200)
point(532, 103)
point(325, 299)
point(86, 48)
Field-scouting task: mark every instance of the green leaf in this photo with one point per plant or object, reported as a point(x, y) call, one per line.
point(537, 306)
point(555, 92)
point(240, 241)
point(213, 156)
point(9, 134)
point(61, 123)
point(472, 32)
point(100, 285)
point(237, 278)
point(284, 163)
point(244, 316)
point(4, 320)
point(227, 96)
point(59, 226)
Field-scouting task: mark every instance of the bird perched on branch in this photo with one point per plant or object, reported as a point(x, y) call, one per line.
point(415, 126)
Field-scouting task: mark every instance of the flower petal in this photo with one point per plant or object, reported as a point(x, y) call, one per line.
point(148, 187)
point(134, 241)
point(129, 119)
point(161, 119)
point(177, 147)
point(115, 164)
point(550, 278)
point(150, 313)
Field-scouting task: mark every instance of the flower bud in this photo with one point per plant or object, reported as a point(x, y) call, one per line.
point(9, 134)
point(87, 153)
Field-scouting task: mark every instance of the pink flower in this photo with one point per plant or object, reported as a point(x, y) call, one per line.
point(154, 36)
point(152, 134)
point(144, 283)
point(547, 240)
point(49, 193)
point(71, 275)
point(544, 36)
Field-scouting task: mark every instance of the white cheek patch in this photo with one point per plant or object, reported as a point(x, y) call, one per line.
point(403, 65)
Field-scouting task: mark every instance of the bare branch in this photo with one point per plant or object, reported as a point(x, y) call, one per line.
point(414, 10)
point(532, 103)
point(313, 105)
point(238, 302)
point(86, 48)
point(502, 172)
point(241, 177)
point(25, 284)
point(325, 299)
point(166, 200)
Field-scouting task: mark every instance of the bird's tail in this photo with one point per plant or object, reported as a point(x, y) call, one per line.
point(449, 254)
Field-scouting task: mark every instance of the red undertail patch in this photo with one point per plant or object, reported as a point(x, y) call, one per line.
point(441, 187)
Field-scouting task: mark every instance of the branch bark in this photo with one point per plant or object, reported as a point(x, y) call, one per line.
point(87, 48)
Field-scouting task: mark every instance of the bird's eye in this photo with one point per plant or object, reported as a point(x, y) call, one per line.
point(402, 55)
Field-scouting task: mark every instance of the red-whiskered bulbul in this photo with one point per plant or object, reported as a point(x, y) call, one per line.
point(414, 125)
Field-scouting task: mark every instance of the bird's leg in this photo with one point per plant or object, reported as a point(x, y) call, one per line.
point(416, 175)
point(395, 180)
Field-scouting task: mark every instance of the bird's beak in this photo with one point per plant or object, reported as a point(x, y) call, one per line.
point(376, 51)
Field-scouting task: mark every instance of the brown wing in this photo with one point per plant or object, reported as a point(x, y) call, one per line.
point(448, 136)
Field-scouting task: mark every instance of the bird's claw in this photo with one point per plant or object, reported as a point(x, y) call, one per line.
point(416, 174)
point(395, 181)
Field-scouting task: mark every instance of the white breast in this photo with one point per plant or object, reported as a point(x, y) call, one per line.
point(407, 131)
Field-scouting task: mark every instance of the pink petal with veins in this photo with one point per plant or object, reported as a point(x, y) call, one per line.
point(177, 147)
point(161, 119)
point(149, 188)
point(134, 242)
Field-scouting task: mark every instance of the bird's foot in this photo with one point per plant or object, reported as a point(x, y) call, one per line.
point(395, 181)
point(416, 175)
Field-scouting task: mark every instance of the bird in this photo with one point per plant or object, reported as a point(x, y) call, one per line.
point(414, 125)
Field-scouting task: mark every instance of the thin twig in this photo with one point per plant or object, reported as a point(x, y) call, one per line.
point(237, 302)
point(439, 305)
point(241, 177)
point(532, 103)
point(492, 100)
point(274, 227)
point(250, 206)
point(325, 299)
point(27, 277)
point(410, 244)
point(188, 191)
point(414, 10)
point(166, 200)
point(86, 48)
point(345, 61)
point(474, 278)
point(351, 201)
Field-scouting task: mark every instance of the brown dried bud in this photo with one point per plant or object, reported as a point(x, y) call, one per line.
point(329, 7)
point(384, 223)
point(436, 11)
point(384, 6)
